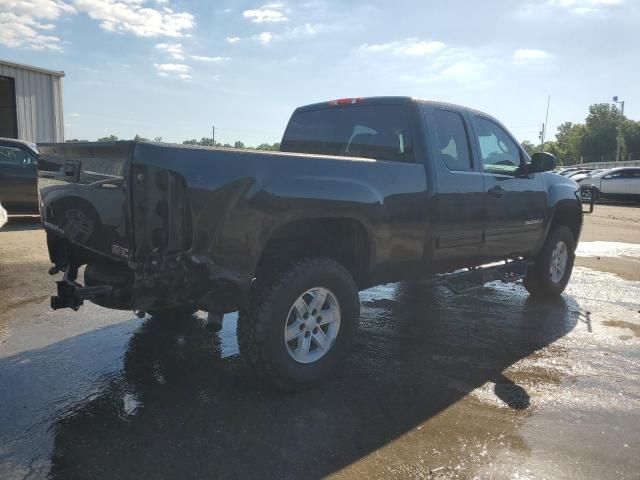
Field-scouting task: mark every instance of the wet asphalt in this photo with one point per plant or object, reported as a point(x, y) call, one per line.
point(490, 384)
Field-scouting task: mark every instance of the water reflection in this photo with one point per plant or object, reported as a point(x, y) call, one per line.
point(184, 405)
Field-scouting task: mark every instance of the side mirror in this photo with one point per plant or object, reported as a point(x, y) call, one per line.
point(542, 162)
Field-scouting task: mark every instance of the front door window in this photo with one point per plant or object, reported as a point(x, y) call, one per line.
point(499, 153)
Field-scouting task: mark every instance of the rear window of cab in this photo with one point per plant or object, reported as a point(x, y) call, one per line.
point(370, 131)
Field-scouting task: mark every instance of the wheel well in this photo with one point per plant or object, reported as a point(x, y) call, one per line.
point(569, 217)
point(344, 240)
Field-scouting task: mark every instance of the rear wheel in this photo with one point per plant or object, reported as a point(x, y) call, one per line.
point(301, 323)
point(552, 268)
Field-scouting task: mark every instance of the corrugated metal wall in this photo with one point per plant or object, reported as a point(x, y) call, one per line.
point(38, 104)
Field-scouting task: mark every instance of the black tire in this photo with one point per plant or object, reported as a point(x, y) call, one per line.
point(261, 327)
point(538, 280)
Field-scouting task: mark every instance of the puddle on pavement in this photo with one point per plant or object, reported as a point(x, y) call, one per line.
point(634, 327)
point(607, 249)
point(435, 380)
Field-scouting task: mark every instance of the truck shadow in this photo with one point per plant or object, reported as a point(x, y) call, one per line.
point(22, 222)
point(184, 405)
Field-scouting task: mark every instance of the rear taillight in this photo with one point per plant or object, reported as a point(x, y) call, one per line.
point(346, 101)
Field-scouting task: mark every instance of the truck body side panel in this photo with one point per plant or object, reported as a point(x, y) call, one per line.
point(237, 199)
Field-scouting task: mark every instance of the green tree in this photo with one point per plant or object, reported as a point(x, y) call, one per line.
point(274, 147)
point(631, 138)
point(110, 138)
point(204, 142)
point(238, 144)
point(568, 142)
point(529, 147)
point(601, 134)
point(138, 138)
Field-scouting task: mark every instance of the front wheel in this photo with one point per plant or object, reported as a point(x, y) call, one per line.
point(301, 323)
point(552, 267)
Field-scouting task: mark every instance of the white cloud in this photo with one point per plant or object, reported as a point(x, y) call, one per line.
point(432, 61)
point(45, 9)
point(272, 12)
point(201, 58)
point(142, 18)
point(463, 70)
point(297, 32)
point(413, 47)
point(172, 67)
point(179, 70)
point(305, 30)
point(577, 7)
point(174, 50)
point(22, 31)
point(525, 55)
point(264, 37)
point(21, 23)
point(26, 23)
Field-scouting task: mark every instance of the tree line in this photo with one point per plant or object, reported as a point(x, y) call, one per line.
point(203, 142)
point(596, 139)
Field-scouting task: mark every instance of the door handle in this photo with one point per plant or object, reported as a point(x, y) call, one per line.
point(496, 191)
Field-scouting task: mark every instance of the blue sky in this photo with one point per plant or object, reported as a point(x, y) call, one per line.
point(174, 68)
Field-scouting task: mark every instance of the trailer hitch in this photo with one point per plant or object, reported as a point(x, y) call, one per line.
point(72, 295)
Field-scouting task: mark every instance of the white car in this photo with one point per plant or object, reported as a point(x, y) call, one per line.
point(621, 182)
point(581, 176)
point(3, 216)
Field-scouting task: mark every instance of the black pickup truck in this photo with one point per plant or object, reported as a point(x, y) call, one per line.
point(364, 191)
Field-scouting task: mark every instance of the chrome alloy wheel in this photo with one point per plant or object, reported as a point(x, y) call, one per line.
point(312, 325)
point(559, 258)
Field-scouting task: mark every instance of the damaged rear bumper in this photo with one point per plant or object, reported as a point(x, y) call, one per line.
point(156, 282)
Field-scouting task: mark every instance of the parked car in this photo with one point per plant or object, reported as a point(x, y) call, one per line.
point(364, 192)
point(18, 176)
point(580, 171)
point(579, 177)
point(3, 216)
point(567, 171)
point(620, 182)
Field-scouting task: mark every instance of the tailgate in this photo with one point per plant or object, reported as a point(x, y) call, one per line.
point(84, 195)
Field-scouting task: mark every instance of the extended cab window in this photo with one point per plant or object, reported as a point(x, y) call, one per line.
point(453, 142)
point(372, 131)
point(499, 153)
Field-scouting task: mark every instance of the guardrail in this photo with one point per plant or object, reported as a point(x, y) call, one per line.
point(626, 163)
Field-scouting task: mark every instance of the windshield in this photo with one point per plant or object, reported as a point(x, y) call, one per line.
point(371, 131)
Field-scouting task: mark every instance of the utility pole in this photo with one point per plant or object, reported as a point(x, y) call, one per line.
point(543, 131)
point(213, 135)
point(621, 103)
point(541, 137)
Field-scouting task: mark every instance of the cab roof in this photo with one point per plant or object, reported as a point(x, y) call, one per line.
point(385, 100)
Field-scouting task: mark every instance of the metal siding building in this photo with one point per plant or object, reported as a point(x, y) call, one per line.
point(37, 103)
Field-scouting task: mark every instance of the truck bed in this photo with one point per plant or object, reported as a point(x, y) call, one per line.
point(141, 203)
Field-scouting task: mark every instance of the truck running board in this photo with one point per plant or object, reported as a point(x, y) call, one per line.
point(472, 279)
